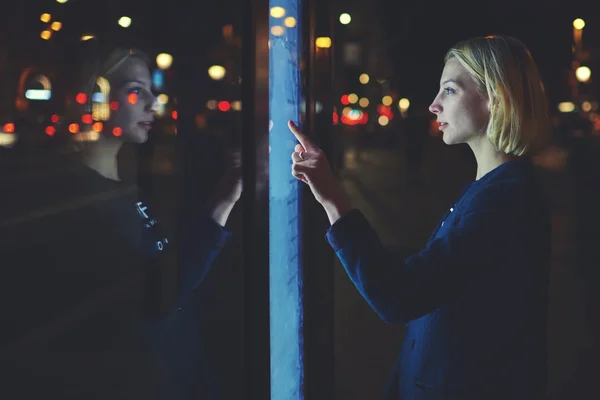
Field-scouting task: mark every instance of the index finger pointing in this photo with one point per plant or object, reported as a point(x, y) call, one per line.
point(302, 138)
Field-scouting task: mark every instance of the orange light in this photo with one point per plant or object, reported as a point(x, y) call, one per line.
point(224, 106)
point(114, 105)
point(54, 118)
point(86, 118)
point(132, 98)
point(81, 98)
point(74, 128)
point(50, 131)
point(97, 126)
point(117, 131)
point(174, 115)
point(9, 128)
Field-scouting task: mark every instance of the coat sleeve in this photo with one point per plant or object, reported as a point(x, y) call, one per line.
point(399, 290)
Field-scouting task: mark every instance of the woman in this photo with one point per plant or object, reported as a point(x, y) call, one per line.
point(103, 258)
point(474, 299)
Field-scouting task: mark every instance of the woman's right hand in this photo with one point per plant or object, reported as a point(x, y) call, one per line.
point(311, 167)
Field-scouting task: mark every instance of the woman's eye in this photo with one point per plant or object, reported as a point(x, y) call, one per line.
point(135, 90)
point(449, 91)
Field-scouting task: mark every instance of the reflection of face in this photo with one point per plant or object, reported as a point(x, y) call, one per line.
point(460, 109)
point(131, 88)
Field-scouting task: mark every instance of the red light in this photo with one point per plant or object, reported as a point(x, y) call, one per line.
point(336, 118)
point(74, 128)
point(114, 105)
point(81, 98)
point(174, 115)
point(50, 131)
point(54, 119)
point(132, 98)
point(117, 131)
point(86, 118)
point(97, 126)
point(9, 128)
point(224, 106)
point(345, 101)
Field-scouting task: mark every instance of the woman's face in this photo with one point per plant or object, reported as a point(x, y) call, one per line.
point(131, 89)
point(462, 111)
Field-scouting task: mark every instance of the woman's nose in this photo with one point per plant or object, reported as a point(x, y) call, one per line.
point(435, 107)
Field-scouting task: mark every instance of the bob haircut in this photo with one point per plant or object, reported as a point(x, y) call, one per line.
point(504, 69)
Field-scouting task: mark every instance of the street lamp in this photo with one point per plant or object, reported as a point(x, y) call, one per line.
point(583, 74)
point(216, 72)
point(125, 22)
point(164, 61)
point(345, 19)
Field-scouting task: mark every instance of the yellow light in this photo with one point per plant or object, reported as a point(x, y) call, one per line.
point(586, 106)
point(56, 26)
point(211, 104)
point(387, 100)
point(236, 105)
point(364, 102)
point(364, 78)
point(290, 22)
point(583, 74)
point(277, 30)
point(323, 42)
point(277, 12)
point(61, 1)
point(86, 37)
point(345, 18)
point(125, 22)
point(46, 35)
point(162, 99)
point(352, 98)
point(164, 61)
point(216, 72)
point(383, 120)
point(45, 17)
point(578, 23)
point(566, 106)
point(403, 104)
point(346, 110)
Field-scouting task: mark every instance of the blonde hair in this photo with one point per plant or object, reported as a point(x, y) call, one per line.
point(504, 69)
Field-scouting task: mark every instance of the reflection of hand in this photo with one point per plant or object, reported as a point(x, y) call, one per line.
point(229, 189)
point(311, 167)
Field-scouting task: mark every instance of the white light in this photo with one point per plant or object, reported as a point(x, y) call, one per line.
point(125, 22)
point(583, 74)
point(164, 60)
point(61, 1)
point(38, 94)
point(216, 72)
point(345, 18)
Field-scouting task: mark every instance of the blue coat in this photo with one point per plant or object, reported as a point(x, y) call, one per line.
point(474, 300)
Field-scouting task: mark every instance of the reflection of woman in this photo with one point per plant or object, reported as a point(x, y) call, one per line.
point(474, 299)
point(120, 350)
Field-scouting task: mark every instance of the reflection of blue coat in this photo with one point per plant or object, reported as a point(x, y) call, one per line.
point(96, 252)
point(474, 300)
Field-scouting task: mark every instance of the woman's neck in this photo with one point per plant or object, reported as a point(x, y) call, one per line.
point(487, 157)
point(101, 156)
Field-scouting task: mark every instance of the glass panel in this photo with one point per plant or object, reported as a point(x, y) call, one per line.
point(285, 26)
point(120, 164)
